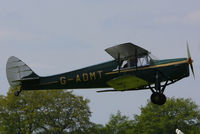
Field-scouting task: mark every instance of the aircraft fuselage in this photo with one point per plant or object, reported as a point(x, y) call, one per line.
point(97, 76)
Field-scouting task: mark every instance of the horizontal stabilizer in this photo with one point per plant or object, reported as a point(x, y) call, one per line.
point(27, 79)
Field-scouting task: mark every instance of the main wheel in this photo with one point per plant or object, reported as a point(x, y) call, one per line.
point(158, 98)
point(155, 98)
point(162, 99)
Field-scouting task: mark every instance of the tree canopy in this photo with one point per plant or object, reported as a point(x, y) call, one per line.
point(118, 124)
point(179, 113)
point(55, 111)
point(59, 111)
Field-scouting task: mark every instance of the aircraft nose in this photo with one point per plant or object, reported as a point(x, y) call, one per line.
point(190, 61)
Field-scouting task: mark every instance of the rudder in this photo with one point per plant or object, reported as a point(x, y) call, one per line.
point(17, 71)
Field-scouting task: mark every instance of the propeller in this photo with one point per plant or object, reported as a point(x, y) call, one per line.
point(190, 60)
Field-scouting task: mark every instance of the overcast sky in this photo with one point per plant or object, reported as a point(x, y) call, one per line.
point(56, 36)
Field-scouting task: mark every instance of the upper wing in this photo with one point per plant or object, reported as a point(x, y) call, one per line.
point(126, 50)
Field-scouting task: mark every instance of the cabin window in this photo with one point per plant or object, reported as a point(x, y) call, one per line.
point(133, 62)
point(143, 61)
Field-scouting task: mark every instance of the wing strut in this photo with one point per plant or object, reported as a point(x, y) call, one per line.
point(136, 57)
point(119, 63)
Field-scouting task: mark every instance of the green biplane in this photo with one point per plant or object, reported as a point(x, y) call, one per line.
point(133, 68)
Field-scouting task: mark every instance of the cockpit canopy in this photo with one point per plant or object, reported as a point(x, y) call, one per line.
point(129, 55)
point(133, 62)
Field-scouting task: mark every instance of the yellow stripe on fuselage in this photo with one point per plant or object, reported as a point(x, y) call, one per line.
point(51, 82)
point(148, 67)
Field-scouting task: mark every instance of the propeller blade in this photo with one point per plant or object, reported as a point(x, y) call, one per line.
point(191, 66)
point(190, 60)
point(188, 51)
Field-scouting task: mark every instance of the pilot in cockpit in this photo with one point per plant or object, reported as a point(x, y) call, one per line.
point(133, 62)
point(130, 63)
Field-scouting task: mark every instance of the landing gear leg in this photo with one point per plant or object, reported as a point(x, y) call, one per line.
point(157, 96)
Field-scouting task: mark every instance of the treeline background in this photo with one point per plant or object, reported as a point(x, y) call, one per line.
point(60, 111)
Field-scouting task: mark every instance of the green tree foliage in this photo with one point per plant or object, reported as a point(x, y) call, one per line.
point(58, 111)
point(118, 124)
point(183, 114)
point(55, 111)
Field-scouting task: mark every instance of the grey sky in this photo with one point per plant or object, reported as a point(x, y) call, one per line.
point(58, 36)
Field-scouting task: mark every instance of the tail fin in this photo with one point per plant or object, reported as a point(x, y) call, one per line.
point(17, 72)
